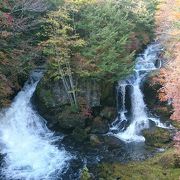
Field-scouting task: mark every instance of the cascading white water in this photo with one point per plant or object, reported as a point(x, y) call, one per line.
point(27, 144)
point(122, 113)
point(123, 118)
point(139, 118)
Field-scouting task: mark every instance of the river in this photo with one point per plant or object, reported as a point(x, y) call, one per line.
point(30, 151)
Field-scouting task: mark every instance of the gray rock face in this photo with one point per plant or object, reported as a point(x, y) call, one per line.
point(99, 126)
point(53, 104)
point(90, 90)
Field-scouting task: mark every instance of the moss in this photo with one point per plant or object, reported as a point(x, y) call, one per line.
point(80, 135)
point(99, 126)
point(170, 160)
point(85, 174)
point(163, 111)
point(108, 94)
point(48, 97)
point(70, 120)
point(94, 140)
point(152, 169)
point(157, 137)
point(108, 113)
point(176, 124)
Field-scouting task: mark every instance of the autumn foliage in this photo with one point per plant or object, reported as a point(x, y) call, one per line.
point(168, 34)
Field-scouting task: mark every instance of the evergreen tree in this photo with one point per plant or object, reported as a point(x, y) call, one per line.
point(60, 47)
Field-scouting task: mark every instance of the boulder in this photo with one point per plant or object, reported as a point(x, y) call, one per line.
point(67, 119)
point(108, 113)
point(96, 101)
point(108, 94)
point(112, 142)
point(157, 137)
point(95, 140)
point(79, 135)
point(99, 126)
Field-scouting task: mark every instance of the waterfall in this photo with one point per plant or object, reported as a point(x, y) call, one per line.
point(27, 145)
point(139, 118)
point(117, 124)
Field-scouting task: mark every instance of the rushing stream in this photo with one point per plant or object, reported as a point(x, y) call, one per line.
point(27, 144)
point(130, 122)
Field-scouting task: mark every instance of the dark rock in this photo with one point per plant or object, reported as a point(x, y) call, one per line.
point(108, 113)
point(95, 140)
point(108, 94)
point(96, 110)
point(157, 137)
point(80, 135)
point(96, 102)
point(70, 120)
point(100, 126)
point(112, 142)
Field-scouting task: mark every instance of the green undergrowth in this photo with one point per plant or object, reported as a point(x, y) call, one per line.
point(164, 166)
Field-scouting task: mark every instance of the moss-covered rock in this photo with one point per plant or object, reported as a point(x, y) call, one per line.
point(95, 140)
point(79, 135)
point(67, 119)
point(112, 142)
point(163, 110)
point(157, 137)
point(99, 126)
point(53, 104)
point(85, 175)
point(108, 94)
point(108, 113)
point(176, 124)
point(96, 110)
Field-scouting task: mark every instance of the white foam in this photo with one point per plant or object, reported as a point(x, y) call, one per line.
point(27, 144)
point(139, 118)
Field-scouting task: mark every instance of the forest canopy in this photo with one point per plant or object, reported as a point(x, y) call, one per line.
point(77, 39)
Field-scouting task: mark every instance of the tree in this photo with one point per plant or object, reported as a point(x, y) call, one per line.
point(60, 47)
point(106, 29)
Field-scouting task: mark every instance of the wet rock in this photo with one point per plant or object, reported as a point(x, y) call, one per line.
point(95, 140)
point(108, 94)
point(112, 142)
point(108, 113)
point(80, 135)
point(157, 137)
point(99, 126)
point(96, 101)
point(70, 120)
